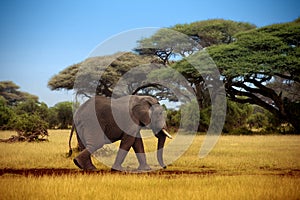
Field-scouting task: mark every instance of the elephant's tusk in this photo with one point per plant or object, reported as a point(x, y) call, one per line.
point(166, 133)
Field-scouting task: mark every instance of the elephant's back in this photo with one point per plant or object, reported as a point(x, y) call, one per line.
point(89, 108)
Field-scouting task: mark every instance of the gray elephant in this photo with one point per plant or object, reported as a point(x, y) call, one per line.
point(102, 120)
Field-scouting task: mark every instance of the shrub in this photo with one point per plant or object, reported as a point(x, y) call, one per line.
point(30, 127)
point(5, 114)
point(241, 131)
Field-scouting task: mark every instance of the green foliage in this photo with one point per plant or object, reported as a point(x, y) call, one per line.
point(240, 131)
point(272, 49)
point(241, 119)
point(236, 116)
point(190, 116)
point(166, 43)
point(214, 31)
point(255, 61)
point(6, 113)
point(53, 118)
point(30, 127)
point(30, 117)
point(22, 112)
point(256, 51)
point(257, 120)
point(64, 114)
point(31, 106)
point(205, 115)
point(183, 40)
point(173, 119)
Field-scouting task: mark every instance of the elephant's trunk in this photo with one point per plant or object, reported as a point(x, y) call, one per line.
point(160, 147)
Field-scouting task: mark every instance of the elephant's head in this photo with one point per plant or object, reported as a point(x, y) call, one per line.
point(148, 112)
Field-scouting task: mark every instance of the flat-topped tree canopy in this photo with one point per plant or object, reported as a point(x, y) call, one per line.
point(12, 95)
point(262, 67)
point(99, 75)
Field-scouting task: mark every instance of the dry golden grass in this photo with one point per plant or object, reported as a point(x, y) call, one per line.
point(51, 154)
point(132, 186)
point(239, 167)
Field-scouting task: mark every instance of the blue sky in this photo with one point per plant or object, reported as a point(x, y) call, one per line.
point(39, 38)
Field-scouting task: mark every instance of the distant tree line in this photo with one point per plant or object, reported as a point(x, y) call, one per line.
point(31, 119)
point(22, 112)
point(241, 119)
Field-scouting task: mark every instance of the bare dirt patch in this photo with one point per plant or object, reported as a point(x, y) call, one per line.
point(61, 171)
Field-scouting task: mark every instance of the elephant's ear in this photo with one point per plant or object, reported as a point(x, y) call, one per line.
point(142, 112)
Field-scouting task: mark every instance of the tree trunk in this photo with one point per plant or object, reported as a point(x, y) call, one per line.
point(296, 124)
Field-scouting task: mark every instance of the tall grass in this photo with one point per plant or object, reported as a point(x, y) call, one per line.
point(117, 186)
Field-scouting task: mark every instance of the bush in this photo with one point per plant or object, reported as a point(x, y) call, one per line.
point(240, 131)
point(236, 116)
point(5, 114)
point(30, 127)
point(173, 119)
point(190, 116)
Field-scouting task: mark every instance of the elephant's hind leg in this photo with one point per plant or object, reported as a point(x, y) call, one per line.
point(83, 161)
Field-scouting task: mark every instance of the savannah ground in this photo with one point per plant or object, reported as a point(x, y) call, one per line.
point(239, 167)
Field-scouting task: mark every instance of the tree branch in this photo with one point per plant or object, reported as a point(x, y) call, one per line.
point(252, 99)
point(155, 85)
point(288, 77)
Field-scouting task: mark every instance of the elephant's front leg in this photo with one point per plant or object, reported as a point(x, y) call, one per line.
point(126, 143)
point(139, 150)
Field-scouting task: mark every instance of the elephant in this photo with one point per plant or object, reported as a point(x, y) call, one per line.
point(102, 120)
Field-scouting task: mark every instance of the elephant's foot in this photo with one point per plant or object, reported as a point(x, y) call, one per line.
point(116, 168)
point(83, 161)
point(144, 168)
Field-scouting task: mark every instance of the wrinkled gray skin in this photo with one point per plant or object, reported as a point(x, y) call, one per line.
point(131, 113)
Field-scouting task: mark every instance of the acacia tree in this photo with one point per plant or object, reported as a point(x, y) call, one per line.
point(183, 41)
point(259, 65)
point(164, 44)
point(11, 93)
point(99, 75)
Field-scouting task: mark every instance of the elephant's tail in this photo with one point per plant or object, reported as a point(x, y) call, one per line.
point(70, 140)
